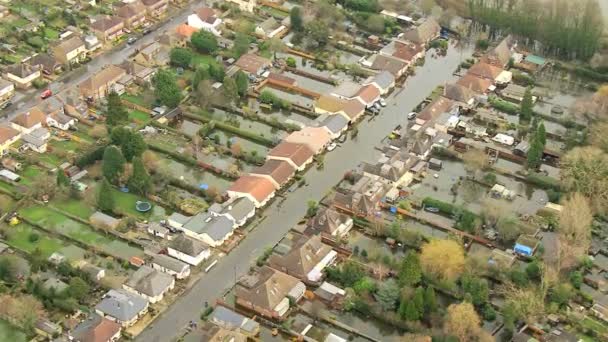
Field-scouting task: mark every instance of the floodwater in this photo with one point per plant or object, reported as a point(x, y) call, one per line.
point(309, 83)
point(194, 176)
point(291, 97)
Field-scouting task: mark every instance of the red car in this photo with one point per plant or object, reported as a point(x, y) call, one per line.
point(46, 94)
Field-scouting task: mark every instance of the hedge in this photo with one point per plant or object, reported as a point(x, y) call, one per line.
point(90, 157)
point(465, 219)
point(504, 106)
point(542, 181)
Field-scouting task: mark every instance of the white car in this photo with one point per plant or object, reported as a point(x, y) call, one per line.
point(377, 106)
point(411, 116)
point(382, 102)
point(332, 147)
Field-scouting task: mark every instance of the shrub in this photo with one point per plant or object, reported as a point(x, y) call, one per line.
point(542, 181)
point(33, 237)
point(504, 106)
point(291, 62)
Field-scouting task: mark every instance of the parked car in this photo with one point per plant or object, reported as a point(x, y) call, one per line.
point(411, 116)
point(382, 102)
point(131, 40)
point(46, 94)
point(377, 106)
point(146, 31)
point(431, 209)
point(332, 147)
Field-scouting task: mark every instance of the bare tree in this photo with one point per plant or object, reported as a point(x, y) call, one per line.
point(585, 170)
point(475, 161)
point(463, 323)
point(443, 259)
point(574, 229)
point(599, 138)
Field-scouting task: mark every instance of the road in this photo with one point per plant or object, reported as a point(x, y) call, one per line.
point(115, 56)
point(280, 218)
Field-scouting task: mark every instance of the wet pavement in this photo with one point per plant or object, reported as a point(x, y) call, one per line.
point(282, 215)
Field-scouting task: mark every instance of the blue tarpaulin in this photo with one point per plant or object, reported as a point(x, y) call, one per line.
point(203, 186)
point(521, 249)
point(393, 209)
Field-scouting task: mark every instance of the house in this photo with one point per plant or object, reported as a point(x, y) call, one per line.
point(238, 210)
point(405, 51)
point(7, 91)
point(458, 93)
point(384, 81)
point(335, 125)
point(183, 33)
point(269, 28)
point(91, 42)
point(515, 93)
point(36, 140)
point(302, 256)
point(297, 154)
point(73, 104)
point(367, 94)
point(395, 66)
point(211, 229)
point(70, 51)
point(150, 283)
point(253, 64)
point(205, 19)
point(259, 190)
point(22, 75)
point(151, 55)
point(268, 292)
point(172, 266)
point(29, 121)
point(156, 8)
point(47, 329)
point(501, 54)
point(60, 120)
point(189, 250)
point(99, 85)
point(245, 5)
point(329, 221)
point(316, 138)
point(96, 328)
point(101, 220)
point(424, 33)
point(108, 28)
point(142, 74)
point(49, 65)
point(490, 72)
point(122, 307)
point(231, 320)
point(435, 108)
point(213, 333)
point(476, 84)
point(351, 110)
point(279, 172)
point(133, 14)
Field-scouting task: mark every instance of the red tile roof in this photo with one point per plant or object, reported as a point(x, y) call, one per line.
point(260, 188)
point(475, 83)
point(185, 30)
point(485, 70)
point(280, 171)
point(368, 93)
point(30, 118)
point(297, 153)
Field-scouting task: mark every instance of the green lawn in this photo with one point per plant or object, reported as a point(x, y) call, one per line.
point(20, 22)
point(30, 174)
point(49, 158)
point(137, 99)
point(11, 333)
point(66, 145)
point(125, 204)
point(139, 116)
point(8, 187)
point(50, 33)
point(201, 60)
point(19, 237)
point(75, 207)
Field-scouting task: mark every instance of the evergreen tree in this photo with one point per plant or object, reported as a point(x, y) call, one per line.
point(201, 73)
point(419, 301)
point(115, 113)
point(410, 272)
point(541, 134)
point(296, 20)
point(135, 146)
point(430, 300)
point(140, 181)
point(230, 90)
point(62, 179)
point(242, 83)
point(204, 41)
point(113, 164)
point(410, 312)
point(388, 295)
point(105, 199)
point(535, 154)
point(166, 89)
point(526, 110)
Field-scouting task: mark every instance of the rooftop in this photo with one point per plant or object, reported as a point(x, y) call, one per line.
point(260, 188)
point(122, 304)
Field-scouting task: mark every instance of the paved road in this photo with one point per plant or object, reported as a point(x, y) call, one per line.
point(280, 218)
point(116, 56)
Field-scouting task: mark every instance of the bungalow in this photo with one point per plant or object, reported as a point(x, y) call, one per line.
point(384, 81)
point(268, 292)
point(298, 155)
point(70, 51)
point(424, 33)
point(351, 110)
point(205, 19)
point(102, 83)
point(205, 227)
point(329, 221)
point(36, 140)
point(259, 190)
point(29, 121)
point(108, 28)
point(476, 84)
point(96, 329)
point(8, 136)
point(316, 138)
point(7, 91)
point(490, 72)
point(22, 75)
point(237, 210)
point(279, 172)
point(458, 93)
point(172, 266)
point(211, 332)
point(245, 5)
point(156, 8)
point(335, 125)
point(133, 14)
point(367, 95)
point(253, 64)
point(435, 108)
point(302, 257)
point(150, 284)
point(395, 66)
point(501, 54)
point(60, 121)
point(49, 65)
point(158, 230)
point(228, 319)
point(269, 28)
point(122, 307)
point(405, 51)
point(189, 250)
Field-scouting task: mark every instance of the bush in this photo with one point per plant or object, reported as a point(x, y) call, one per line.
point(523, 79)
point(465, 220)
point(33, 237)
point(482, 44)
point(542, 181)
point(504, 106)
point(291, 62)
point(38, 84)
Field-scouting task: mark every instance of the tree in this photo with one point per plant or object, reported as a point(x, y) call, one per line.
point(181, 57)
point(312, 209)
point(62, 179)
point(78, 288)
point(230, 90)
point(408, 311)
point(242, 83)
point(204, 93)
point(8, 268)
point(375, 23)
point(131, 143)
point(585, 170)
point(113, 164)
point(463, 322)
point(419, 301)
point(217, 72)
point(410, 272)
point(427, 6)
point(477, 288)
point(296, 20)
point(574, 230)
point(508, 229)
point(527, 106)
point(166, 89)
point(318, 33)
point(388, 295)
point(115, 113)
point(150, 160)
point(241, 45)
point(535, 154)
point(541, 134)
point(430, 300)
point(204, 41)
point(105, 198)
point(475, 160)
point(442, 259)
point(140, 181)
point(201, 73)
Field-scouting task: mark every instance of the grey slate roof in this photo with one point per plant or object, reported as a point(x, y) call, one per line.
point(122, 305)
point(188, 245)
point(335, 123)
point(169, 263)
point(217, 227)
point(177, 217)
point(384, 79)
point(229, 319)
point(149, 281)
point(240, 208)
